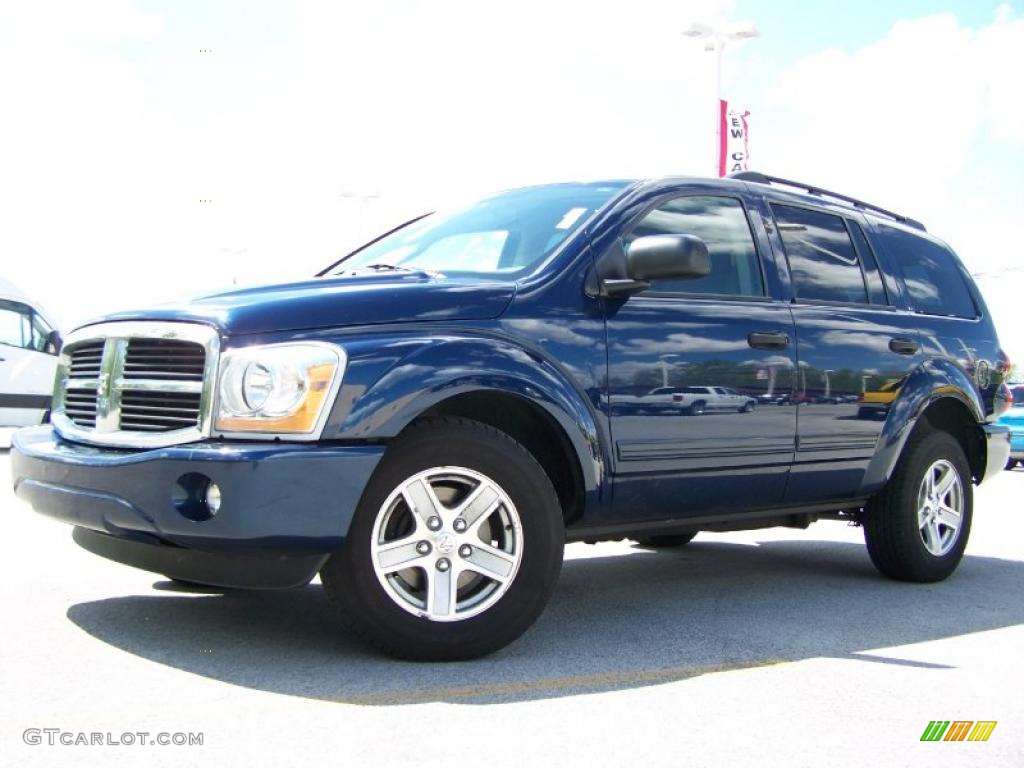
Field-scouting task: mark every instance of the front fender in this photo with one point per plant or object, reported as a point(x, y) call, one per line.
point(930, 381)
point(378, 401)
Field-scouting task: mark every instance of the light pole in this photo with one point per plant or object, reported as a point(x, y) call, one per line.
point(663, 359)
point(715, 39)
point(363, 200)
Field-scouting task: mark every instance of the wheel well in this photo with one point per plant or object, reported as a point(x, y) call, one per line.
point(531, 427)
point(950, 415)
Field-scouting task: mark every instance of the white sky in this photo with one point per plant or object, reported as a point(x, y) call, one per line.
point(114, 126)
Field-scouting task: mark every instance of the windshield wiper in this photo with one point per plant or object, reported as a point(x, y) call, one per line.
point(387, 268)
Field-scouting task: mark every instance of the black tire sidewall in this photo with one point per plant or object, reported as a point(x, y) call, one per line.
point(490, 453)
point(917, 563)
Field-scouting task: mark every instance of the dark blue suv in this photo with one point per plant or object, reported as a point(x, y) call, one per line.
point(427, 422)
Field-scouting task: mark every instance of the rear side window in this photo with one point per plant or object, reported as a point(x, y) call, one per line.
point(722, 224)
point(822, 260)
point(872, 276)
point(931, 273)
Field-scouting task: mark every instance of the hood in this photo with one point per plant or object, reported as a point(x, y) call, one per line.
point(341, 300)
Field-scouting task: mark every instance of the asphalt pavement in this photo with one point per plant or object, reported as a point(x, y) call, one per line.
point(775, 647)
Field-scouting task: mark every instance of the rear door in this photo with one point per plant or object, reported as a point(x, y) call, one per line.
point(722, 330)
point(951, 314)
point(26, 370)
point(851, 339)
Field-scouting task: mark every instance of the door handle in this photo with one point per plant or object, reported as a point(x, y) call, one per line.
point(768, 340)
point(904, 346)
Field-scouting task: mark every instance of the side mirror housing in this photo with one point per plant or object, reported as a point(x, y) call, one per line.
point(656, 257)
point(53, 344)
point(663, 256)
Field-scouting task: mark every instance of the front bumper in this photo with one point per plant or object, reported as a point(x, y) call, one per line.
point(287, 506)
point(997, 449)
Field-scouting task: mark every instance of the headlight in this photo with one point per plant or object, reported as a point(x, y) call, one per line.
point(278, 388)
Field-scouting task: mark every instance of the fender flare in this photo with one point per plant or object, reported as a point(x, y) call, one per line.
point(931, 381)
point(437, 369)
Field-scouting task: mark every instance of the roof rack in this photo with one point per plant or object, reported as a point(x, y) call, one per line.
point(763, 178)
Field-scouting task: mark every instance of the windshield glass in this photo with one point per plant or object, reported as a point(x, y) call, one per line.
point(505, 233)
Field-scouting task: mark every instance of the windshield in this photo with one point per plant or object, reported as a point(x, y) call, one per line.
point(505, 233)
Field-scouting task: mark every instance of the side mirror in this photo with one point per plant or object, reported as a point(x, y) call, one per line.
point(53, 343)
point(662, 256)
point(658, 257)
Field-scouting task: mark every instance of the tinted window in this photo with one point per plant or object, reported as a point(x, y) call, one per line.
point(21, 327)
point(722, 224)
point(934, 281)
point(873, 277)
point(15, 324)
point(822, 260)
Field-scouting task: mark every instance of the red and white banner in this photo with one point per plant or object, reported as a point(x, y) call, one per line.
point(733, 133)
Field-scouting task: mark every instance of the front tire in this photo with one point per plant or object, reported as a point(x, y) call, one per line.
point(698, 408)
point(916, 528)
point(455, 547)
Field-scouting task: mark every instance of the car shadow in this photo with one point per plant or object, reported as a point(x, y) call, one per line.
point(615, 622)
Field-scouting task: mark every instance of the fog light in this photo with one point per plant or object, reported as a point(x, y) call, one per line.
point(213, 497)
point(196, 497)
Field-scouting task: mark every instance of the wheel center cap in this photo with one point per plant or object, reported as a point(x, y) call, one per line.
point(445, 543)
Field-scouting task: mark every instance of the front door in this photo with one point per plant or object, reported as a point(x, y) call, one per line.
point(26, 371)
point(678, 452)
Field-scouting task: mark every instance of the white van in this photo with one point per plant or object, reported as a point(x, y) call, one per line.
point(29, 345)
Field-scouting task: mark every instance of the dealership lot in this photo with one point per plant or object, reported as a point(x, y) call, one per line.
point(775, 647)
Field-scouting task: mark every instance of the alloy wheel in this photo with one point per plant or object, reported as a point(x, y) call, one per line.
point(447, 543)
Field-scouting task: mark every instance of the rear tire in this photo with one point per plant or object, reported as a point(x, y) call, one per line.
point(666, 540)
point(697, 409)
point(389, 578)
point(916, 528)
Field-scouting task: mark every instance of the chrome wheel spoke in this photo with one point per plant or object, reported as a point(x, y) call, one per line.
point(479, 506)
point(422, 501)
point(442, 592)
point(396, 556)
point(948, 517)
point(945, 483)
point(490, 562)
point(932, 539)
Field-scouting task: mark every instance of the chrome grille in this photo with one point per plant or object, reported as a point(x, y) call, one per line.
point(164, 359)
point(86, 359)
point(137, 384)
point(80, 406)
point(159, 411)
